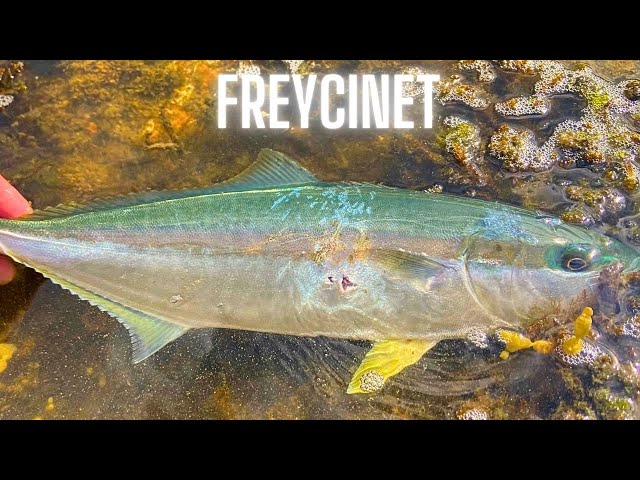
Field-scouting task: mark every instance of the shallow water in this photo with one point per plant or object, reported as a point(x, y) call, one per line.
point(76, 131)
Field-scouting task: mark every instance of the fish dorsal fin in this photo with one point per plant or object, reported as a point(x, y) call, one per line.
point(407, 264)
point(271, 169)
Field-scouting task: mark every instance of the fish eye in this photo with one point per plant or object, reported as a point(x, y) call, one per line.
point(575, 264)
point(577, 258)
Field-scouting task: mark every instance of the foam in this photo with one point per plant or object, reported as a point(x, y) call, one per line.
point(483, 67)
point(474, 414)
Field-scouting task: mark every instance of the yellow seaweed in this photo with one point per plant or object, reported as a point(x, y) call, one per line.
point(582, 327)
point(515, 341)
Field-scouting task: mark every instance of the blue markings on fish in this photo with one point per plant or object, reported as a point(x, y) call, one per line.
point(501, 225)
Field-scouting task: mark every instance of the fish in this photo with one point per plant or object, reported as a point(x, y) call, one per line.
point(277, 250)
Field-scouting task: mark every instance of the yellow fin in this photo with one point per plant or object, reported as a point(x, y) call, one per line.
point(384, 360)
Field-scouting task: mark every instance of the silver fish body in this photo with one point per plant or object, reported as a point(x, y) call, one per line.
point(277, 251)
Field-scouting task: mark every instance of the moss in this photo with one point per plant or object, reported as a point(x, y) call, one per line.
point(11, 80)
point(610, 407)
point(598, 100)
point(596, 97)
point(462, 140)
point(579, 140)
point(452, 90)
point(622, 174)
point(527, 67)
point(580, 410)
point(632, 90)
point(591, 197)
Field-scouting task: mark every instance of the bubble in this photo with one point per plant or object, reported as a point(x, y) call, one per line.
point(5, 100)
point(483, 67)
point(518, 150)
point(586, 356)
point(528, 67)
point(247, 68)
point(371, 381)
point(479, 338)
point(518, 106)
point(631, 329)
point(294, 65)
point(600, 136)
point(474, 414)
point(413, 89)
point(452, 90)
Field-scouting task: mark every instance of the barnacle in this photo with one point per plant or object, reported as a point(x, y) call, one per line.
point(577, 216)
point(623, 174)
point(10, 78)
point(601, 201)
point(528, 67)
point(631, 90)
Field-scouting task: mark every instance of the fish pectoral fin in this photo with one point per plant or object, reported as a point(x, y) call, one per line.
point(407, 264)
point(384, 360)
point(148, 334)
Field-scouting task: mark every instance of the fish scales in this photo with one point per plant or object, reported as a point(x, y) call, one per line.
point(309, 258)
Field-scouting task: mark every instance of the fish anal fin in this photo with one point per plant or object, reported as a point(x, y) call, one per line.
point(148, 333)
point(386, 359)
point(407, 264)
